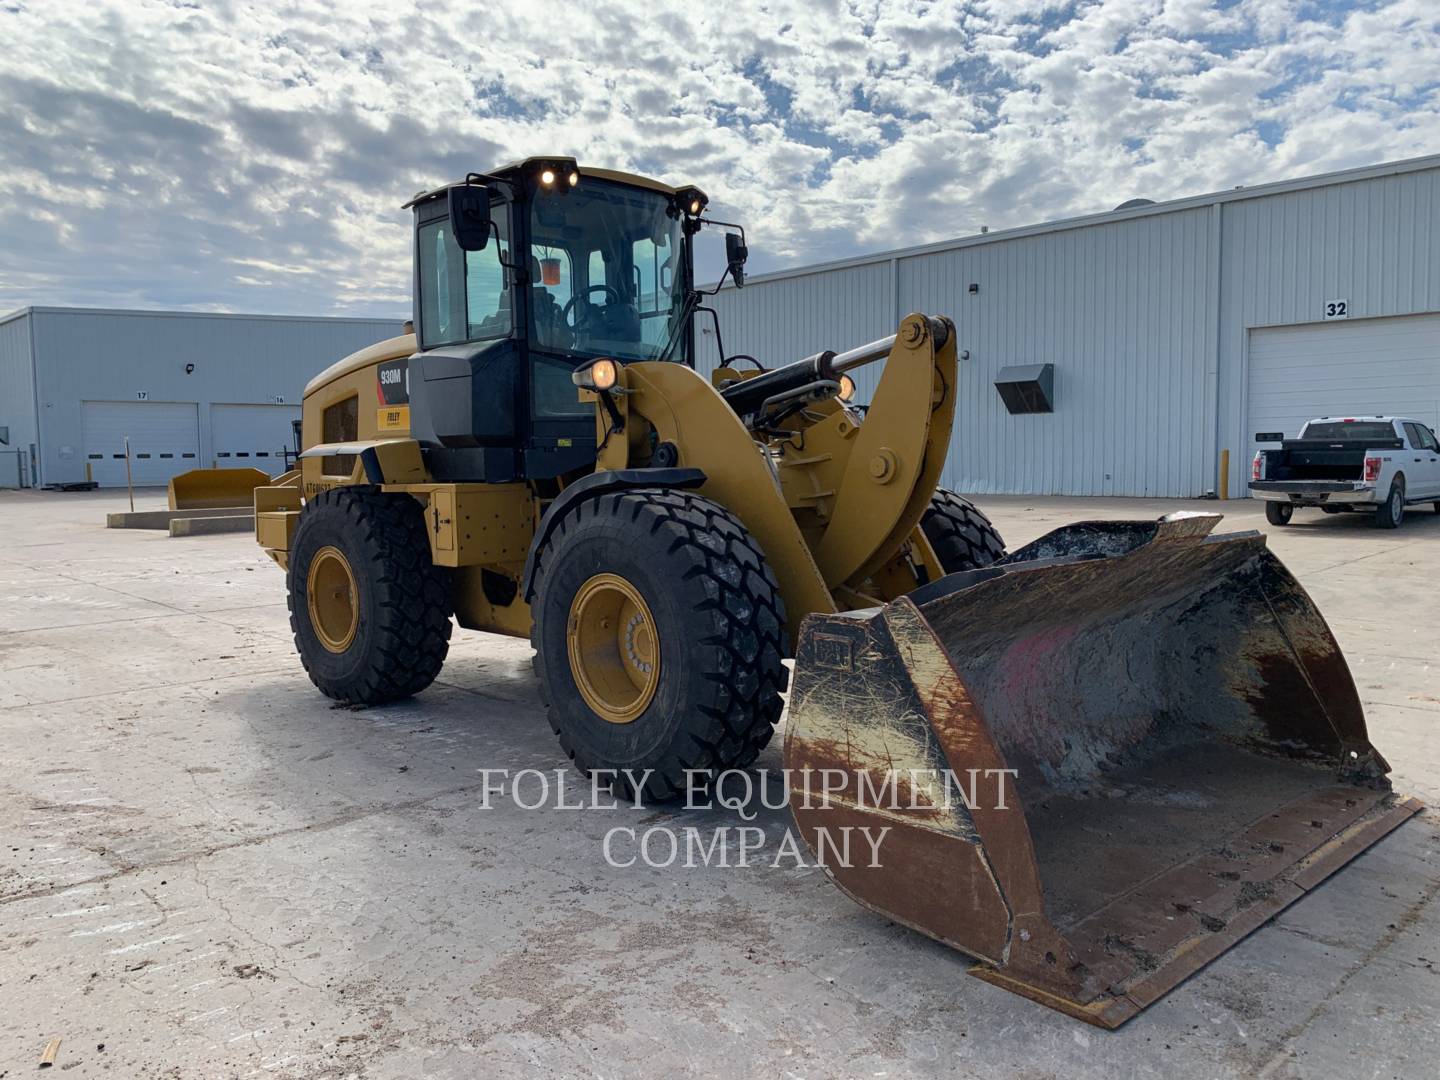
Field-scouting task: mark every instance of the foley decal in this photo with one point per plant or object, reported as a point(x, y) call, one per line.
point(396, 419)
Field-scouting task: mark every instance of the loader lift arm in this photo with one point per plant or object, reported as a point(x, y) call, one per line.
point(857, 490)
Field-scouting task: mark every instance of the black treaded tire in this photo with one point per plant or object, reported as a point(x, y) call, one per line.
point(404, 600)
point(1391, 512)
point(1278, 513)
point(961, 535)
point(719, 620)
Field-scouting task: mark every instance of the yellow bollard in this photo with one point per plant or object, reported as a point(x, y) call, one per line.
point(1224, 474)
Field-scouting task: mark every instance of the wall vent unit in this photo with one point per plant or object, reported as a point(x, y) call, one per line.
point(1027, 388)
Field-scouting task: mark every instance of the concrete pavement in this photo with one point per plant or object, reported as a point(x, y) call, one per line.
point(212, 871)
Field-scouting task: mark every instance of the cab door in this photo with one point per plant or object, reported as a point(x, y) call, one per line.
point(1424, 469)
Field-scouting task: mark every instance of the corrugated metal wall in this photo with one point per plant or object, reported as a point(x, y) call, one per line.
point(1146, 319)
point(792, 318)
point(1374, 243)
point(17, 397)
point(1118, 308)
point(116, 356)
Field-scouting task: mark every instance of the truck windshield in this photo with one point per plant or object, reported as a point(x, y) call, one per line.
point(1361, 430)
point(606, 267)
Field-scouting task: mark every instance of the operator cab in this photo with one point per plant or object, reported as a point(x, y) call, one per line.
point(522, 275)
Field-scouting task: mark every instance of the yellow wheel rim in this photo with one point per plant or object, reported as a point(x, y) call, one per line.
point(614, 648)
point(332, 599)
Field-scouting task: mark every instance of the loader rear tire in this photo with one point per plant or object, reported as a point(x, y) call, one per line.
point(369, 610)
point(961, 535)
point(658, 635)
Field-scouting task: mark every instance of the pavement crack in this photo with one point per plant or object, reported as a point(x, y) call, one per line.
point(359, 813)
point(1281, 1053)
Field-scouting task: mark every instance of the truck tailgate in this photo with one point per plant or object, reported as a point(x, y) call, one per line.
point(1306, 487)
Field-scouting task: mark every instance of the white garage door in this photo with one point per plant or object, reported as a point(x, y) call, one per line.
point(254, 435)
point(164, 440)
point(1351, 368)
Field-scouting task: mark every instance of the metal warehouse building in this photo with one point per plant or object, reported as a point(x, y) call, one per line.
point(187, 389)
point(1176, 330)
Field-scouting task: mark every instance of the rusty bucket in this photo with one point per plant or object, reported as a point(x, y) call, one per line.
point(1101, 762)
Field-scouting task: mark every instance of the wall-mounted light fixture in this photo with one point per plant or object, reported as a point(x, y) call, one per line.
point(189, 369)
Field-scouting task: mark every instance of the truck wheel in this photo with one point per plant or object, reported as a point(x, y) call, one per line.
point(1279, 513)
point(1391, 512)
point(961, 535)
point(369, 610)
point(658, 634)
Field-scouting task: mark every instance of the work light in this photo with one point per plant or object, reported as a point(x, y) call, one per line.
point(599, 375)
point(556, 175)
point(691, 200)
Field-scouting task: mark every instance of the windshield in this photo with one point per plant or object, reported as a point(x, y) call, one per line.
point(607, 272)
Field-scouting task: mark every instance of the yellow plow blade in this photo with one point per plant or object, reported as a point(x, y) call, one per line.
point(208, 489)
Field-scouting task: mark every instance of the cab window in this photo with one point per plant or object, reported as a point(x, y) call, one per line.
point(464, 295)
point(654, 288)
point(442, 285)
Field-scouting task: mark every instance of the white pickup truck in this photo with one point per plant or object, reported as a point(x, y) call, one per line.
point(1379, 464)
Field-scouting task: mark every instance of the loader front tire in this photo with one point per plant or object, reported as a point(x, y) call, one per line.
point(369, 610)
point(962, 537)
point(658, 634)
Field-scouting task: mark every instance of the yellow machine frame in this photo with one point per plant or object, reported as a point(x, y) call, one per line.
point(788, 487)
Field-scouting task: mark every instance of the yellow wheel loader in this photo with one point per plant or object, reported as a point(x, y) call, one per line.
point(1094, 763)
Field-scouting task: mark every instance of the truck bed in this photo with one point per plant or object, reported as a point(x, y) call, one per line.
point(1323, 459)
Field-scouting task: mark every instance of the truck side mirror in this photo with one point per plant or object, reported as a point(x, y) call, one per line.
point(469, 216)
point(735, 254)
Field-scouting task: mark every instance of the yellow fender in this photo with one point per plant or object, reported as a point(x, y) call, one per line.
point(685, 410)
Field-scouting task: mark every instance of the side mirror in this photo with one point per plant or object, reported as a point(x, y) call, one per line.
point(470, 216)
point(735, 254)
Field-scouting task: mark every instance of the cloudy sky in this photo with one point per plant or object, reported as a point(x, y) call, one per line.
point(252, 156)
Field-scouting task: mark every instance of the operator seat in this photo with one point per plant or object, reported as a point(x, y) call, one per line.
point(550, 328)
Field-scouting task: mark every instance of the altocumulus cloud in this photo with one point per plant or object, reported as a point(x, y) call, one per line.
point(253, 156)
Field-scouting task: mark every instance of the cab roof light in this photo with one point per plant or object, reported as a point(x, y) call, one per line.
point(557, 175)
point(691, 201)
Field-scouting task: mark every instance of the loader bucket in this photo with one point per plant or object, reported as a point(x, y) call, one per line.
point(1188, 750)
point(209, 489)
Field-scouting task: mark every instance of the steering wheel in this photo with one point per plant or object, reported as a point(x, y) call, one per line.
point(611, 297)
